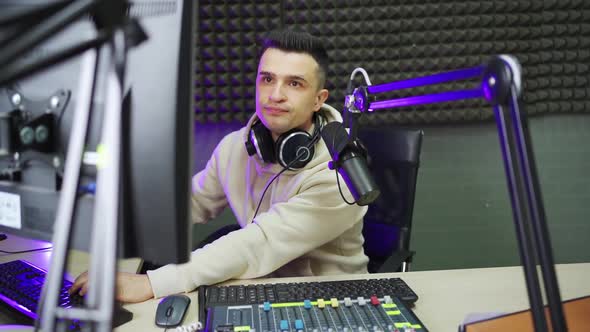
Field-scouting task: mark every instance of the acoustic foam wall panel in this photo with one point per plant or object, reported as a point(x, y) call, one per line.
point(395, 40)
point(227, 57)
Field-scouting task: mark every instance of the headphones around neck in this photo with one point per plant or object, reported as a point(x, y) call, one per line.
point(287, 150)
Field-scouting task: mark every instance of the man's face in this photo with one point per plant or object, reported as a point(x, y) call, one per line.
point(287, 90)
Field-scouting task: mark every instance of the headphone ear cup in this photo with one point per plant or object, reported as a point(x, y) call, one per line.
point(260, 142)
point(294, 144)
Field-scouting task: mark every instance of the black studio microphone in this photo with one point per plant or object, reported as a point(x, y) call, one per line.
point(350, 159)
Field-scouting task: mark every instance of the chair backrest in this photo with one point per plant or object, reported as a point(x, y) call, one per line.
point(394, 158)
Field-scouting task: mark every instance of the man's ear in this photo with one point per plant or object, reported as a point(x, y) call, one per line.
point(321, 97)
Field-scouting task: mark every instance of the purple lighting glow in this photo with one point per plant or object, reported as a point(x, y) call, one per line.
point(455, 75)
point(427, 99)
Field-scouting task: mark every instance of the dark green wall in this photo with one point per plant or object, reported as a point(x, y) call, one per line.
point(462, 216)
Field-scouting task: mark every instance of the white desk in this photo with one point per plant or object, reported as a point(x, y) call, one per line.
point(446, 297)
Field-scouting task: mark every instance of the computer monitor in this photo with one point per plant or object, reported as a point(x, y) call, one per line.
point(157, 134)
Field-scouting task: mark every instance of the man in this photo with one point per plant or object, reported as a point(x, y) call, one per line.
point(304, 228)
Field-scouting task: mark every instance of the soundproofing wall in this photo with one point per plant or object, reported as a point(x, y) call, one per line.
point(396, 40)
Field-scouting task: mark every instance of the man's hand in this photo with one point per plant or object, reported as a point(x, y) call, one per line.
point(130, 287)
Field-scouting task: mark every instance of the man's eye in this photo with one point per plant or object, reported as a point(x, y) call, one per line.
point(295, 83)
point(266, 79)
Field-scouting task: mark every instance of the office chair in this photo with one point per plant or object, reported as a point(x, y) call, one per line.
point(394, 157)
point(224, 230)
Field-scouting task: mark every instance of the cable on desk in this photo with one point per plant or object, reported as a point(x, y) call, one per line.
point(23, 251)
point(193, 327)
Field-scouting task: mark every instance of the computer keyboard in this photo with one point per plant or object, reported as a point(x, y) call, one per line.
point(300, 291)
point(21, 284)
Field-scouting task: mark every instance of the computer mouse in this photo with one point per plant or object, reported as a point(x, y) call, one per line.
point(171, 310)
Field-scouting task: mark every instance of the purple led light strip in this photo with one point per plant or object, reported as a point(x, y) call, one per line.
point(455, 75)
point(427, 99)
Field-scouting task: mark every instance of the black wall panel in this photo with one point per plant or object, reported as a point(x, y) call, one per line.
point(395, 40)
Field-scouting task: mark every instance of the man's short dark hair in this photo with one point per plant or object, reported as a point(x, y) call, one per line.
point(300, 42)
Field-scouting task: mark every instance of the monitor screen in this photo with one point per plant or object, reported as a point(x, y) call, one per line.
point(36, 120)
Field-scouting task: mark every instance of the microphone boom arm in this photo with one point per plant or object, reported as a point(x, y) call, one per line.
point(501, 86)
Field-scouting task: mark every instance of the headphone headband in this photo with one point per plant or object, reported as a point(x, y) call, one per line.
point(318, 124)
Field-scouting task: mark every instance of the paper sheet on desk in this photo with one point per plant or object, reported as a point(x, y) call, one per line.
point(477, 317)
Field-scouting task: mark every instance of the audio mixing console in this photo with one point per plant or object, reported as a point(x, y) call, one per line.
point(323, 315)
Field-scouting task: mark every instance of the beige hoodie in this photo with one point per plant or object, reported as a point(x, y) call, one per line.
point(303, 227)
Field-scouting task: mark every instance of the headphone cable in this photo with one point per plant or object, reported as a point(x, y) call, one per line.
point(297, 158)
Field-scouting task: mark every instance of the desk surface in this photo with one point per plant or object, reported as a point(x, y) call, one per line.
point(446, 297)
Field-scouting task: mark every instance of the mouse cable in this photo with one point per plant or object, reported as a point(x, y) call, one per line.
point(193, 327)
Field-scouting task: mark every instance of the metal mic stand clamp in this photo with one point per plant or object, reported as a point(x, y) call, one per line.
point(501, 86)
